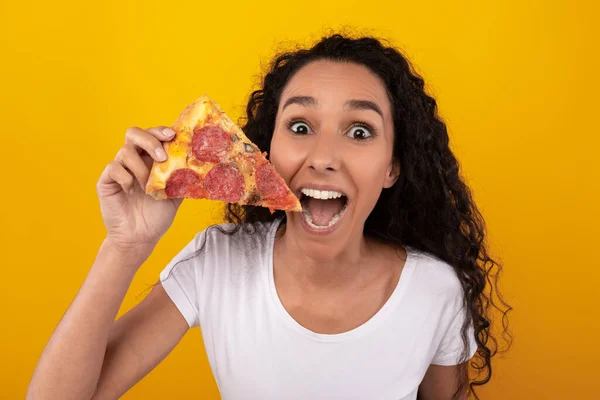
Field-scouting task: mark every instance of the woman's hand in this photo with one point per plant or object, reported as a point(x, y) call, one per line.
point(134, 220)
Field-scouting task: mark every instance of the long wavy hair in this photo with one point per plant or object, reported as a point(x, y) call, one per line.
point(429, 208)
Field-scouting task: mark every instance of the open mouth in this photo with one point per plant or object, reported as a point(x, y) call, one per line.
point(322, 209)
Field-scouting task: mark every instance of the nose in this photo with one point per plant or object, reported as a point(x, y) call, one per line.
point(324, 156)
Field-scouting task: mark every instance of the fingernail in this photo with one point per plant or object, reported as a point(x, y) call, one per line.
point(168, 132)
point(160, 154)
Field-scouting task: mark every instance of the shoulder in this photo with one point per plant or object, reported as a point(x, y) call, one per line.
point(435, 276)
point(223, 247)
point(243, 234)
point(231, 240)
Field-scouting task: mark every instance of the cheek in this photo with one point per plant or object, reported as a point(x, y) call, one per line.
point(369, 175)
point(285, 156)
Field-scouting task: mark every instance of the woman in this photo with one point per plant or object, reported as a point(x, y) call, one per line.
point(376, 291)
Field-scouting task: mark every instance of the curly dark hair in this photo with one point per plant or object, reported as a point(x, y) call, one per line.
point(429, 208)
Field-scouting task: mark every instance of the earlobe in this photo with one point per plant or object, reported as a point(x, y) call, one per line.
point(393, 173)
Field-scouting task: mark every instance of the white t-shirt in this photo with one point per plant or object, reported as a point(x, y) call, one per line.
point(258, 351)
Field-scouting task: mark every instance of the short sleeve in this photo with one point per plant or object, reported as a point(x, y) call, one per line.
point(181, 279)
point(451, 346)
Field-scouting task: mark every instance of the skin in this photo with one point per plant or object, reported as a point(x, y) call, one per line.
point(335, 282)
point(92, 356)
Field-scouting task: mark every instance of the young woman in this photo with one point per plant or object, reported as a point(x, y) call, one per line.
point(378, 290)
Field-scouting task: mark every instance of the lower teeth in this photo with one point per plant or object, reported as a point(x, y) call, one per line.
point(333, 221)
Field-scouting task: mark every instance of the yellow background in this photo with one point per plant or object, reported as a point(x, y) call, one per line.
point(517, 82)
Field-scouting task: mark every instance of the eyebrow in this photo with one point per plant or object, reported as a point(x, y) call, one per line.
point(363, 105)
point(308, 101)
point(305, 101)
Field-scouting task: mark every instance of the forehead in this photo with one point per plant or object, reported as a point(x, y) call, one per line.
point(333, 83)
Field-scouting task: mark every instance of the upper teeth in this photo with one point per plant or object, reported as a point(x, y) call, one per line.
point(322, 194)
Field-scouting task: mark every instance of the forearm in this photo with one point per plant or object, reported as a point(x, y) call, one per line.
point(70, 365)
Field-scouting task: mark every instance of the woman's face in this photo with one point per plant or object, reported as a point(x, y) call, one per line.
point(333, 137)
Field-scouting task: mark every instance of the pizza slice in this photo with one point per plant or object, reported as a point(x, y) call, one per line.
point(211, 158)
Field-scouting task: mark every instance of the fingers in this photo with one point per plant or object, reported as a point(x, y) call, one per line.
point(148, 161)
point(132, 161)
point(162, 133)
point(115, 174)
point(148, 141)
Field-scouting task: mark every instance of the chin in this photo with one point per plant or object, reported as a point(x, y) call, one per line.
point(321, 244)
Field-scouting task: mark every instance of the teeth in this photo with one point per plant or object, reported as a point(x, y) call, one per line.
point(322, 194)
point(334, 220)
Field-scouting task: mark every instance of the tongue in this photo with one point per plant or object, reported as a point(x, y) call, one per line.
point(322, 211)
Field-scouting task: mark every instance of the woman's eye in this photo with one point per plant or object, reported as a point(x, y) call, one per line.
point(300, 128)
point(359, 132)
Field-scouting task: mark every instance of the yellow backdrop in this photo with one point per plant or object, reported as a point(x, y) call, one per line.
point(516, 81)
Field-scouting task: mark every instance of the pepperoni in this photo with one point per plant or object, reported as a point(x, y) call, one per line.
point(185, 183)
point(211, 144)
point(225, 182)
point(269, 182)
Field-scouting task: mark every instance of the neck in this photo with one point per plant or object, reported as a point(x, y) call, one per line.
point(323, 269)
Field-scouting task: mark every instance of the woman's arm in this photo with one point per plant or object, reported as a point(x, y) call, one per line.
point(441, 382)
point(91, 356)
point(138, 342)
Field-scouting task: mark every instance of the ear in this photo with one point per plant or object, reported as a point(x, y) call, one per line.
point(392, 174)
